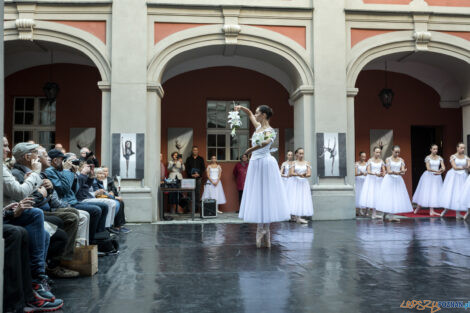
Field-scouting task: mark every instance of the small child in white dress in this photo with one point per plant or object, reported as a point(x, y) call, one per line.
point(213, 188)
point(429, 190)
point(298, 188)
point(360, 173)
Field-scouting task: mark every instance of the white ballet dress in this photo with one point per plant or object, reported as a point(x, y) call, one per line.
point(371, 186)
point(285, 178)
point(210, 190)
point(360, 182)
point(453, 186)
point(394, 197)
point(429, 190)
point(299, 192)
point(264, 198)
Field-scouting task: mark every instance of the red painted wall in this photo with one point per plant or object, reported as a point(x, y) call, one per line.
point(415, 103)
point(184, 105)
point(78, 101)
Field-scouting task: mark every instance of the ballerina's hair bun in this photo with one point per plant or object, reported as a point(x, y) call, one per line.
point(266, 110)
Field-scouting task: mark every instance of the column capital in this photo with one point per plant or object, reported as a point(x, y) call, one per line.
point(104, 85)
point(156, 87)
point(352, 92)
point(301, 91)
point(464, 102)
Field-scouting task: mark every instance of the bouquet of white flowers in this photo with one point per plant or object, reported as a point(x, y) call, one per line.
point(234, 121)
point(259, 138)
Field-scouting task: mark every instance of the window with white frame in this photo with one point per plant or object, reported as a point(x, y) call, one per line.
point(34, 119)
point(219, 141)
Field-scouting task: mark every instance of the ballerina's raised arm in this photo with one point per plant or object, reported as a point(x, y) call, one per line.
point(250, 114)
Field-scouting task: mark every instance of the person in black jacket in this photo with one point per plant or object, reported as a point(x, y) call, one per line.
point(195, 168)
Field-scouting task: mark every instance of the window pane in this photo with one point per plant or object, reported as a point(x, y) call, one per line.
point(27, 135)
point(47, 113)
point(234, 141)
point(221, 119)
point(234, 154)
point(17, 137)
point(221, 140)
point(19, 104)
point(243, 143)
point(211, 140)
point(211, 115)
point(19, 118)
point(28, 118)
point(29, 105)
point(47, 139)
point(220, 154)
point(211, 152)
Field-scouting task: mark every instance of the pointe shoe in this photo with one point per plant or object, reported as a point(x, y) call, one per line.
point(259, 238)
point(417, 210)
point(443, 212)
point(465, 217)
point(301, 221)
point(267, 239)
point(458, 216)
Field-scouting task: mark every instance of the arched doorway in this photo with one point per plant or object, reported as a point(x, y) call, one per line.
point(207, 47)
point(77, 108)
point(430, 97)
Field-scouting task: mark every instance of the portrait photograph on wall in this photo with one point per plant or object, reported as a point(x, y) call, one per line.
point(331, 154)
point(128, 155)
point(180, 140)
point(82, 137)
point(382, 138)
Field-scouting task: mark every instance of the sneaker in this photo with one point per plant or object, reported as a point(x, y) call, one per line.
point(42, 292)
point(124, 230)
point(62, 272)
point(44, 306)
point(113, 230)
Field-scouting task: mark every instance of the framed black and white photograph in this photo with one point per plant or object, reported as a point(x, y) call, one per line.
point(82, 137)
point(128, 155)
point(382, 138)
point(180, 140)
point(331, 154)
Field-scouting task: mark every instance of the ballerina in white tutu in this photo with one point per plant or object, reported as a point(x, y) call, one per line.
point(264, 199)
point(298, 188)
point(393, 197)
point(429, 190)
point(454, 182)
point(285, 167)
point(361, 173)
point(371, 187)
point(213, 188)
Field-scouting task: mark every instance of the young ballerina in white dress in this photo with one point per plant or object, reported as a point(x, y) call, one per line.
point(429, 190)
point(454, 182)
point(393, 197)
point(298, 188)
point(361, 173)
point(371, 187)
point(285, 167)
point(264, 199)
point(213, 188)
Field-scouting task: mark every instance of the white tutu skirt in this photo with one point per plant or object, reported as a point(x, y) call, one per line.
point(429, 191)
point(214, 192)
point(300, 197)
point(393, 197)
point(464, 200)
point(264, 198)
point(370, 191)
point(451, 190)
point(359, 184)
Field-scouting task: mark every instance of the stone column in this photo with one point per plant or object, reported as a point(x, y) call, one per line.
point(2, 108)
point(333, 198)
point(105, 88)
point(465, 103)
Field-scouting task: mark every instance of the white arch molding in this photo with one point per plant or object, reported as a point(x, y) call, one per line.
point(71, 37)
point(379, 46)
point(255, 47)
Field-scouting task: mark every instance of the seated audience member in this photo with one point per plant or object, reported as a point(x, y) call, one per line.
point(26, 155)
point(58, 146)
point(86, 154)
point(65, 185)
point(24, 273)
point(110, 191)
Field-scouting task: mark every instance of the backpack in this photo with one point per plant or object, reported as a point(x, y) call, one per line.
point(106, 244)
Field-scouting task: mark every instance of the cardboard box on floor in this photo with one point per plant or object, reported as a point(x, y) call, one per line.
point(85, 260)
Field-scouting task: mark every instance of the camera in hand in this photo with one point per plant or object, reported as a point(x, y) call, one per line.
point(75, 162)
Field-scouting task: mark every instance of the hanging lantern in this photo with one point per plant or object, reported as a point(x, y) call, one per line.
point(386, 94)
